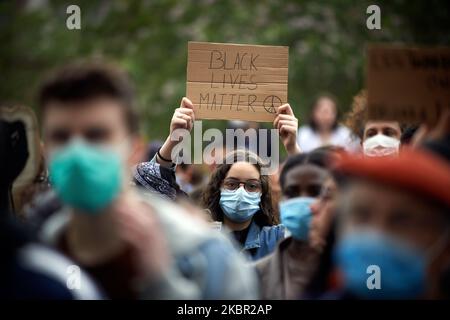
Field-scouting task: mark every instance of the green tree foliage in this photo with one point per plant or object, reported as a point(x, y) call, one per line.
point(149, 38)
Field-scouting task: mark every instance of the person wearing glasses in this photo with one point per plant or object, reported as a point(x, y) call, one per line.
point(306, 210)
point(238, 195)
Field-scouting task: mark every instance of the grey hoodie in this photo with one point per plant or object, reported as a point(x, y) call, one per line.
point(206, 265)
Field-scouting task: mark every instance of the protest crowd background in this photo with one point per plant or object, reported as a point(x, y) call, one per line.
point(95, 204)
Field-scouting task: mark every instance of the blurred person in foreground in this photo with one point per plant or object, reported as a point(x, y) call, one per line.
point(135, 245)
point(324, 129)
point(306, 210)
point(393, 237)
point(377, 138)
point(29, 269)
point(435, 138)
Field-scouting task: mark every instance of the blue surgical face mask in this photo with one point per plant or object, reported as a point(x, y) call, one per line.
point(296, 216)
point(402, 267)
point(86, 177)
point(239, 205)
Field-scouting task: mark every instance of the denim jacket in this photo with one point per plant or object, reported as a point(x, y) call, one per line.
point(262, 241)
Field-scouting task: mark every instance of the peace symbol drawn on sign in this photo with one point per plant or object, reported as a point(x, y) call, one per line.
point(271, 103)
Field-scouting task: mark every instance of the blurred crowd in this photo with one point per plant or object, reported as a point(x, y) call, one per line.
point(358, 209)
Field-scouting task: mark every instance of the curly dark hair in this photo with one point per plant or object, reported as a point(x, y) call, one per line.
point(358, 116)
point(211, 197)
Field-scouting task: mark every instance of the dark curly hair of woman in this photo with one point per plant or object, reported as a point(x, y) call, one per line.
point(358, 116)
point(265, 216)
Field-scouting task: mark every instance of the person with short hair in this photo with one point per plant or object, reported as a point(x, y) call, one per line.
point(306, 210)
point(135, 245)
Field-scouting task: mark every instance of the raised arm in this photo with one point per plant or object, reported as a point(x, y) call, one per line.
point(183, 118)
point(287, 124)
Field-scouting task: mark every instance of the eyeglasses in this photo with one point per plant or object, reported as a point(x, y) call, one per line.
point(251, 185)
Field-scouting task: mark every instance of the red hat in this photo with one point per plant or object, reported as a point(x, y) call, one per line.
point(416, 171)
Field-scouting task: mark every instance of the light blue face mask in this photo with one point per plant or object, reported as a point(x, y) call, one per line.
point(296, 216)
point(86, 177)
point(239, 205)
point(402, 267)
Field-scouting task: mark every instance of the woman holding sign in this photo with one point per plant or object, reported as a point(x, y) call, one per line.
point(238, 195)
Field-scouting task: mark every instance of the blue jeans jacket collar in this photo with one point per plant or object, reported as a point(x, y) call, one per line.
point(253, 240)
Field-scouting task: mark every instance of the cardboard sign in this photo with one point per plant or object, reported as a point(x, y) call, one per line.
point(410, 85)
point(233, 81)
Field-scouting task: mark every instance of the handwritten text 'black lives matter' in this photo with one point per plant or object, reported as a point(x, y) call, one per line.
point(232, 72)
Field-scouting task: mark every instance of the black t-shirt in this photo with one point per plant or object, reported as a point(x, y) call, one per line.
point(115, 277)
point(241, 235)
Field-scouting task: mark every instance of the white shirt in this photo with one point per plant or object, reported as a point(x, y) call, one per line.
point(309, 140)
